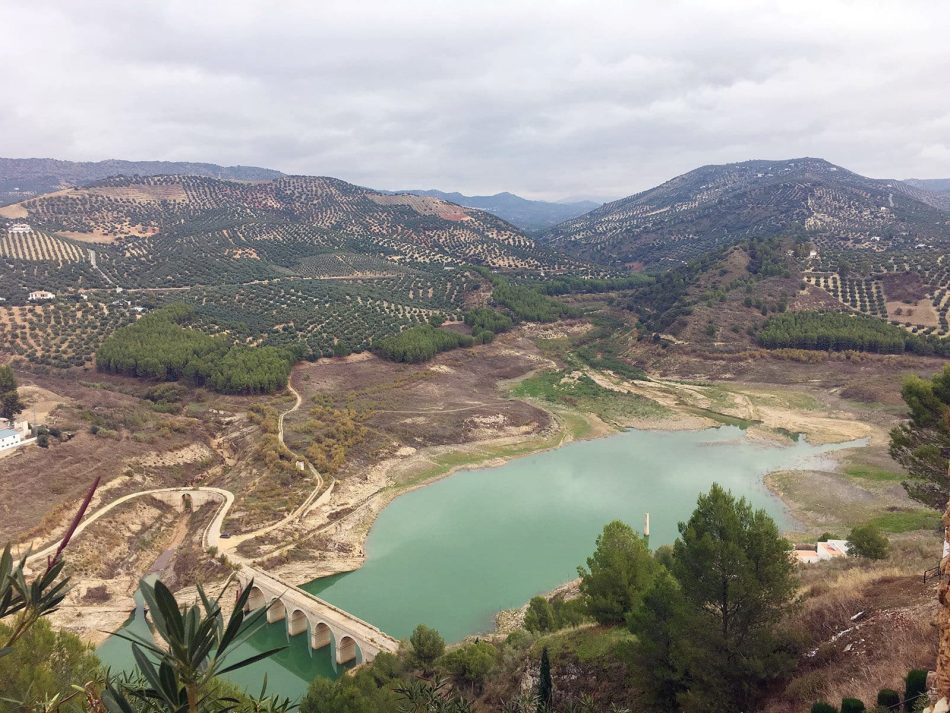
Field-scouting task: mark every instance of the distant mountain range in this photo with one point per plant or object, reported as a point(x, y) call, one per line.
point(22, 178)
point(937, 185)
point(715, 206)
point(533, 216)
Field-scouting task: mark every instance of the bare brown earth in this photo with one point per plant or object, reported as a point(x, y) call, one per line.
point(419, 422)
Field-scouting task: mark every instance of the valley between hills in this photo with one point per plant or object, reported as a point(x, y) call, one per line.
point(417, 338)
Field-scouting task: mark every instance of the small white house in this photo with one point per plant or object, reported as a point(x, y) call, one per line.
point(822, 552)
point(9, 438)
point(20, 228)
point(41, 295)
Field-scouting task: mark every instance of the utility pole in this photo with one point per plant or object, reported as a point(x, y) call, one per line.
point(646, 528)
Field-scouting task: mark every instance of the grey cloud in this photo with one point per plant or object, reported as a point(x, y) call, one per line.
point(541, 98)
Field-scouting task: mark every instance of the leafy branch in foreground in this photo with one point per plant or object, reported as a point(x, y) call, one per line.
point(43, 595)
point(180, 675)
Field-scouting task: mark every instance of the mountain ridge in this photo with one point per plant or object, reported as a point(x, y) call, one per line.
point(936, 185)
point(714, 206)
point(24, 178)
point(524, 213)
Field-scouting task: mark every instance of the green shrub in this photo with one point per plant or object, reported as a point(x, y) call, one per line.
point(852, 705)
point(427, 645)
point(822, 707)
point(888, 698)
point(470, 663)
point(915, 685)
point(868, 541)
point(540, 615)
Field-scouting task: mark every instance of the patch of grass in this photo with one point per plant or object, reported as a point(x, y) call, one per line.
point(871, 472)
point(907, 521)
point(578, 391)
point(722, 418)
point(585, 643)
point(554, 347)
point(794, 400)
point(575, 424)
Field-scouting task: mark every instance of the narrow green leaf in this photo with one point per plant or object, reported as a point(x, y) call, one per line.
point(147, 669)
point(251, 659)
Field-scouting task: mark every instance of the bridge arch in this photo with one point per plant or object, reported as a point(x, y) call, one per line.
point(297, 622)
point(256, 599)
point(276, 611)
point(321, 635)
point(350, 639)
point(347, 649)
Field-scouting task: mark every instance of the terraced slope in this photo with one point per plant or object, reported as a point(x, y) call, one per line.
point(185, 230)
point(716, 206)
point(316, 264)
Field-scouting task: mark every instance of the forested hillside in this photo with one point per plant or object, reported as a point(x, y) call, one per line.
point(324, 267)
point(837, 331)
point(159, 346)
point(316, 264)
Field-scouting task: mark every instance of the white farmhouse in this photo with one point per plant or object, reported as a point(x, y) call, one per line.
point(20, 228)
point(9, 438)
point(822, 551)
point(40, 295)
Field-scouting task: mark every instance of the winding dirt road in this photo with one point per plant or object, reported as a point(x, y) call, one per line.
point(211, 536)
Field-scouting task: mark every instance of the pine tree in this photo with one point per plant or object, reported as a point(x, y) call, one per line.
point(737, 577)
point(921, 445)
point(618, 574)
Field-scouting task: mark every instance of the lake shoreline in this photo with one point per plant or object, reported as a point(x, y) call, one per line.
point(757, 456)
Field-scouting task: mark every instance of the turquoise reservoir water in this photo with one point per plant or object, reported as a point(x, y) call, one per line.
point(455, 552)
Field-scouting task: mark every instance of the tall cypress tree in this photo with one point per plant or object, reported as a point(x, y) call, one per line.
point(545, 684)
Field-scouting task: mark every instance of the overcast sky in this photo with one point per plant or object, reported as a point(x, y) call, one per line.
point(546, 99)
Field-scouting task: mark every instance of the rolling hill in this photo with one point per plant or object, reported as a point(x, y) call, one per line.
point(716, 206)
point(529, 215)
point(315, 263)
point(23, 178)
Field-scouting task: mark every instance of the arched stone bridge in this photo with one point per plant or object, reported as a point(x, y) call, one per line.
point(349, 638)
